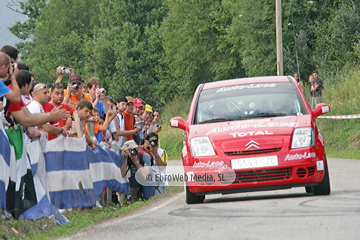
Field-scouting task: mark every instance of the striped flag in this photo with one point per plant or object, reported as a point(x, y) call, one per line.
point(68, 173)
point(105, 171)
point(20, 194)
point(4, 165)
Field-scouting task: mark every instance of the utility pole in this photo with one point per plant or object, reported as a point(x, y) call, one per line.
point(279, 54)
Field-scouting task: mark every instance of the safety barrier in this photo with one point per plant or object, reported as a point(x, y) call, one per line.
point(39, 178)
point(342, 116)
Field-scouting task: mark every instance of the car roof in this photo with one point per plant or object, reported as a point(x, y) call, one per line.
point(254, 80)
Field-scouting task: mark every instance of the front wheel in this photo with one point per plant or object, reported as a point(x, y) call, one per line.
point(323, 188)
point(192, 198)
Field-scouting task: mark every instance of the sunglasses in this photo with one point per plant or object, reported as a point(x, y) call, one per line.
point(43, 87)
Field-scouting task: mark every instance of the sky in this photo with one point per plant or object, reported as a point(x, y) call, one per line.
point(7, 19)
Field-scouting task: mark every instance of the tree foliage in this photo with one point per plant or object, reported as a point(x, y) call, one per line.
point(158, 49)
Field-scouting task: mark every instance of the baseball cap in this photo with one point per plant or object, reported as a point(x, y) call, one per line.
point(130, 99)
point(148, 108)
point(137, 102)
point(121, 99)
point(75, 78)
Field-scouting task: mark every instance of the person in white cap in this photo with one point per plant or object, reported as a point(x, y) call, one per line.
point(140, 161)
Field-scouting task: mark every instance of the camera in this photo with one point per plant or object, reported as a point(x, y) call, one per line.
point(133, 151)
point(140, 124)
point(115, 109)
point(153, 142)
point(75, 87)
point(64, 70)
point(102, 90)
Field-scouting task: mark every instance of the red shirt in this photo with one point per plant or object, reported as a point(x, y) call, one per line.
point(48, 107)
point(129, 120)
point(14, 107)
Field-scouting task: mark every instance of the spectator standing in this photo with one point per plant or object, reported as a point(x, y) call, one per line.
point(41, 96)
point(100, 128)
point(73, 93)
point(311, 82)
point(56, 100)
point(6, 70)
point(154, 126)
point(316, 89)
point(21, 113)
point(98, 95)
point(122, 133)
point(84, 109)
point(129, 118)
point(299, 82)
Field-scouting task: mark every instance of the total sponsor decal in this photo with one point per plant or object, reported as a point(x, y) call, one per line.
point(248, 86)
point(299, 156)
point(253, 133)
point(210, 164)
point(252, 125)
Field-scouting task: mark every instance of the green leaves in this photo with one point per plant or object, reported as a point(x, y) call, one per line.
point(158, 49)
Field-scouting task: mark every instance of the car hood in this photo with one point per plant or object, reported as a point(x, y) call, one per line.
point(254, 128)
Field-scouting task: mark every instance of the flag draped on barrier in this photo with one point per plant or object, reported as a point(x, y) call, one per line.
point(42, 177)
point(105, 171)
point(68, 173)
point(5, 152)
point(20, 194)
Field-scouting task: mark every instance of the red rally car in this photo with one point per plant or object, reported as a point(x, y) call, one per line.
point(252, 134)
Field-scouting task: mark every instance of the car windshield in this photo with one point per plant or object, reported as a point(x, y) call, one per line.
point(248, 101)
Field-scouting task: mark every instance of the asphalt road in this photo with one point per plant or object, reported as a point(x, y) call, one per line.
point(284, 214)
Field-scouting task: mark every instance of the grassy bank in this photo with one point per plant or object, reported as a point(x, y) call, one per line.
point(342, 136)
point(171, 139)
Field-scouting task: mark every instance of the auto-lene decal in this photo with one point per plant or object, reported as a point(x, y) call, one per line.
point(249, 86)
point(253, 133)
point(209, 164)
point(255, 125)
point(300, 156)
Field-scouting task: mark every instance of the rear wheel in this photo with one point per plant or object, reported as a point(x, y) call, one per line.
point(192, 198)
point(323, 188)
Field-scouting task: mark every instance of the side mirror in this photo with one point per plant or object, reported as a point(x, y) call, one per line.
point(320, 109)
point(178, 122)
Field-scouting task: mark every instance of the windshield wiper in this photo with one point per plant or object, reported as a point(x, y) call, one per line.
point(215, 120)
point(258, 115)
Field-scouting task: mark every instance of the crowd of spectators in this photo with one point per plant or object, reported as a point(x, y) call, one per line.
point(125, 124)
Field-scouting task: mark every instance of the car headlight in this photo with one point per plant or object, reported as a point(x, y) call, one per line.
point(303, 137)
point(201, 147)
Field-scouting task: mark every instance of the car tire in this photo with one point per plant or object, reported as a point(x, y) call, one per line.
point(308, 189)
point(192, 198)
point(323, 188)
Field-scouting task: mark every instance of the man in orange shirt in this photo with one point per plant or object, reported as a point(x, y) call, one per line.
point(74, 93)
point(129, 118)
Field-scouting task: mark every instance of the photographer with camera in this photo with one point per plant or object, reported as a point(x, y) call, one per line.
point(154, 126)
point(159, 157)
point(139, 159)
point(74, 93)
point(97, 94)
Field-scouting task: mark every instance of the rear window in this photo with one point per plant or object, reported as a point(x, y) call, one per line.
point(248, 101)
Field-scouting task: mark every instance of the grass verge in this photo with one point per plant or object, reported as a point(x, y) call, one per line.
point(80, 218)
